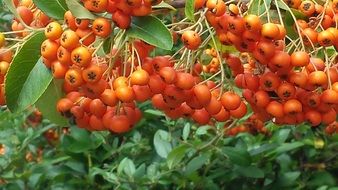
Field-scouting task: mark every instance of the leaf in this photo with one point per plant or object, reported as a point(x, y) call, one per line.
point(176, 155)
point(54, 9)
point(237, 156)
point(203, 130)
point(258, 6)
point(250, 171)
point(153, 112)
point(196, 164)
point(289, 22)
point(164, 5)
point(127, 166)
point(263, 148)
point(190, 9)
point(151, 30)
point(162, 143)
point(281, 135)
point(288, 178)
point(78, 140)
point(78, 10)
point(47, 103)
point(186, 131)
point(27, 78)
point(285, 147)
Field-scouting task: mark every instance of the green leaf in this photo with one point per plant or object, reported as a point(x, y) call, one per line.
point(127, 166)
point(162, 143)
point(190, 9)
point(202, 130)
point(282, 5)
point(288, 178)
point(47, 103)
point(285, 147)
point(237, 156)
point(281, 135)
point(78, 10)
point(258, 6)
point(250, 171)
point(196, 164)
point(176, 155)
point(78, 140)
point(164, 5)
point(322, 178)
point(186, 131)
point(26, 80)
point(151, 30)
point(54, 9)
point(289, 22)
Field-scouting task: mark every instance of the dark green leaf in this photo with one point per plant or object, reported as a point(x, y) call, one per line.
point(78, 10)
point(77, 141)
point(54, 9)
point(237, 156)
point(151, 30)
point(289, 22)
point(162, 143)
point(287, 147)
point(189, 9)
point(281, 135)
point(196, 164)
point(47, 103)
point(288, 178)
point(176, 155)
point(250, 171)
point(27, 78)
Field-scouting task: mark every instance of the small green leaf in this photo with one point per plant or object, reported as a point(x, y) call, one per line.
point(285, 147)
point(237, 156)
point(54, 9)
point(250, 171)
point(176, 155)
point(190, 9)
point(281, 135)
point(78, 10)
point(196, 163)
point(47, 103)
point(27, 78)
point(164, 5)
point(186, 131)
point(202, 130)
point(162, 143)
point(127, 166)
point(151, 30)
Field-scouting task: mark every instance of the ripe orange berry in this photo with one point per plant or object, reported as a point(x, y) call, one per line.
point(81, 56)
point(300, 59)
point(191, 39)
point(53, 31)
point(139, 77)
point(125, 94)
point(69, 40)
point(101, 27)
point(230, 100)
